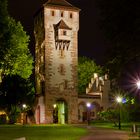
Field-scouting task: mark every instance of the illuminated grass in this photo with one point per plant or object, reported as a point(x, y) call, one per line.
point(124, 126)
point(48, 132)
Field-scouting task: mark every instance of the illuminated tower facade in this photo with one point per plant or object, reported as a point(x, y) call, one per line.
point(56, 27)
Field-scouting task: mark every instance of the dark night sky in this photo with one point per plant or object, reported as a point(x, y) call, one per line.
point(92, 43)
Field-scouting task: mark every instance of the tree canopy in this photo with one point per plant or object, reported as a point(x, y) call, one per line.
point(15, 57)
point(16, 91)
point(15, 65)
point(86, 68)
point(120, 20)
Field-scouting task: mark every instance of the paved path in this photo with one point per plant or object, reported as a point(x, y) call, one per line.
point(105, 134)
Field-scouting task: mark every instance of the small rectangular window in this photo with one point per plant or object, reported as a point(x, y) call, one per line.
point(64, 32)
point(62, 14)
point(71, 16)
point(62, 53)
point(66, 84)
point(52, 13)
point(62, 69)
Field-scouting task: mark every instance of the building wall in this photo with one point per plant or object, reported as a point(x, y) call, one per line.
point(56, 68)
point(105, 94)
point(56, 75)
point(53, 59)
point(97, 95)
point(39, 33)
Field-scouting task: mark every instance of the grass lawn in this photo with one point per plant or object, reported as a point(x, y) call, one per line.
point(124, 126)
point(46, 132)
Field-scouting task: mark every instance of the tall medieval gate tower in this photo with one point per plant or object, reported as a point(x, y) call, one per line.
point(56, 27)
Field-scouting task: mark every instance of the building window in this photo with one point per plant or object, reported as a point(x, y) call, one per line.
point(62, 53)
point(66, 84)
point(52, 13)
point(64, 32)
point(61, 69)
point(71, 16)
point(62, 14)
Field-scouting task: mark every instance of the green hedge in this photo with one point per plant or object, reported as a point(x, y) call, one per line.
point(3, 119)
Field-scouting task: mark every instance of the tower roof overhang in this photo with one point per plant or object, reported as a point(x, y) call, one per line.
point(60, 4)
point(62, 25)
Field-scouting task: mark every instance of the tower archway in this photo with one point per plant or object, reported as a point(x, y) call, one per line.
point(84, 112)
point(95, 108)
point(60, 112)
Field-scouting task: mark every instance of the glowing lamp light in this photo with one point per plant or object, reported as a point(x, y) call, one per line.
point(138, 84)
point(88, 104)
point(119, 99)
point(54, 105)
point(24, 105)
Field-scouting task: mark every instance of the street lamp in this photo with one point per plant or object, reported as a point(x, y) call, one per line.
point(119, 101)
point(54, 106)
point(24, 106)
point(138, 84)
point(24, 116)
point(88, 112)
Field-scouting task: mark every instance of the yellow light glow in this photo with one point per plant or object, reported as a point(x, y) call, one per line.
point(54, 105)
point(119, 99)
point(2, 112)
point(24, 105)
point(95, 75)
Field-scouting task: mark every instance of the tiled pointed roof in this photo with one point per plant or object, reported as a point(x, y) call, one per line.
point(60, 3)
point(62, 25)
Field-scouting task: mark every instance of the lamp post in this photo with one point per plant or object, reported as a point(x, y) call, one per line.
point(88, 112)
point(55, 114)
point(119, 101)
point(24, 117)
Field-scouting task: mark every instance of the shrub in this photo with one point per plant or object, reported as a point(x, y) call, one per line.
point(3, 119)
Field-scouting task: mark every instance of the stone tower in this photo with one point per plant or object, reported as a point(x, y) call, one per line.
point(56, 27)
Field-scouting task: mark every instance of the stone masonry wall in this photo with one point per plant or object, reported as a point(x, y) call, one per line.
point(58, 86)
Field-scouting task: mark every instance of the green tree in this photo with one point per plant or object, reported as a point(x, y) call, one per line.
point(16, 91)
point(3, 27)
point(86, 69)
point(15, 57)
point(119, 20)
point(110, 115)
point(128, 107)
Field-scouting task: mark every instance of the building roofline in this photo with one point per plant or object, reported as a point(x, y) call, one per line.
point(61, 4)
